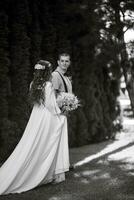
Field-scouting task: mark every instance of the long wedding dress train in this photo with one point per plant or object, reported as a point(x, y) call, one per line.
point(42, 152)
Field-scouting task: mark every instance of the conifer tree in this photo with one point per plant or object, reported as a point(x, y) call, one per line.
point(19, 55)
point(7, 127)
point(4, 64)
point(34, 33)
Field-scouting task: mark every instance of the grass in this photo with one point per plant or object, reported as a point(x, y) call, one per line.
point(98, 180)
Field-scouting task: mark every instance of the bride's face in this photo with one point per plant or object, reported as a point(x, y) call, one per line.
point(64, 62)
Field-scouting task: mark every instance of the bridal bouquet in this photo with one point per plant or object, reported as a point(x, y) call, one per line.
point(67, 102)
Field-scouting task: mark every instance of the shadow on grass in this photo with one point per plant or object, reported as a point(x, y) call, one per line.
point(79, 153)
point(106, 180)
point(104, 153)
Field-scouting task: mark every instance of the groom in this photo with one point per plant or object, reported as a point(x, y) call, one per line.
point(58, 76)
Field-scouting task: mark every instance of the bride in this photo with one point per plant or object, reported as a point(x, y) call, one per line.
point(41, 156)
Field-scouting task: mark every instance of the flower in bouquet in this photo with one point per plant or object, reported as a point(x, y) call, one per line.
point(67, 102)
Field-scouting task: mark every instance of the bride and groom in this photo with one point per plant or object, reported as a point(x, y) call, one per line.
point(41, 155)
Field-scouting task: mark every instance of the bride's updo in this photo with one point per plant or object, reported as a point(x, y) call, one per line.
point(42, 74)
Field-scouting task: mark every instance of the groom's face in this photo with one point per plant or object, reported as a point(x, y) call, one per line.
point(64, 62)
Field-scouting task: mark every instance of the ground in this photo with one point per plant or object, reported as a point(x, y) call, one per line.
point(103, 171)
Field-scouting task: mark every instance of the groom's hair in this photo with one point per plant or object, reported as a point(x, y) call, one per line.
point(64, 54)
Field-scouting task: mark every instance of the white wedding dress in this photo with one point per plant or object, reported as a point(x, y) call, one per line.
point(42, 152)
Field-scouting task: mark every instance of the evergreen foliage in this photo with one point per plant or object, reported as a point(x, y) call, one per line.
point(20, 61)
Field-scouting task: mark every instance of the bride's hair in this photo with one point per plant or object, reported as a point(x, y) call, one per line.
point(43, 70)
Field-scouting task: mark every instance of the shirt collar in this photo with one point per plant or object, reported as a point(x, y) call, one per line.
point(60, 70)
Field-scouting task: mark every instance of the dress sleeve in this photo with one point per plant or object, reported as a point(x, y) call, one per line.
point(55, 81)
point(50, 100)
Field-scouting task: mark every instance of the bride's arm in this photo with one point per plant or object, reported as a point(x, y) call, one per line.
point(50, 99)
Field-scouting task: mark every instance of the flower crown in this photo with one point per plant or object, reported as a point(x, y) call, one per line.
point(42, 67)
